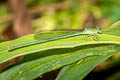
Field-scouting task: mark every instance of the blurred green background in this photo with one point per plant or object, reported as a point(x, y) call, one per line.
point(71, 14)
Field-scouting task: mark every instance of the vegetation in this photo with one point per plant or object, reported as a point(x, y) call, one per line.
point(73, 58)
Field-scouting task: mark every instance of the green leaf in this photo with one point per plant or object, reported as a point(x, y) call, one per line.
point(62, 43)
point(36, 67)
point(78, 71)
point(70, 72)
point(113, 29)
point(53, 55)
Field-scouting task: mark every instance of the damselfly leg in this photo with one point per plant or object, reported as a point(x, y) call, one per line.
point(94, 36)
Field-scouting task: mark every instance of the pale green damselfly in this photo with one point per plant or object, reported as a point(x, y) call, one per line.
point(55, 35)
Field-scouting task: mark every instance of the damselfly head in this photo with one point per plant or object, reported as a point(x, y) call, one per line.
point(85, 30)
point(99, 30)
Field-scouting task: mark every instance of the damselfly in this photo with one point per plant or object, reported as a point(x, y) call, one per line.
point(55, 35)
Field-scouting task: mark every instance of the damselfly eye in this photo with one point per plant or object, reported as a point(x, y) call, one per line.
point(99, 30)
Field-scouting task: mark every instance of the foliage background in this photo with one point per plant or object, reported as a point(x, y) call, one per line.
point(77, 15)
